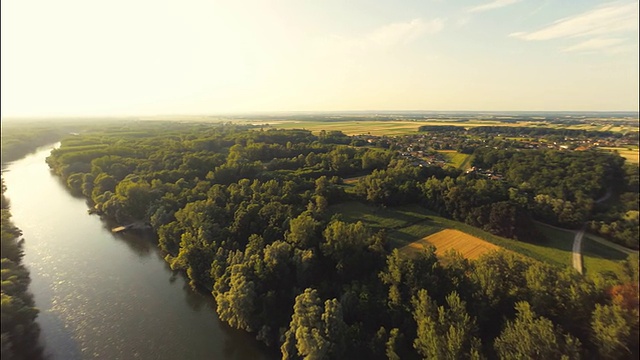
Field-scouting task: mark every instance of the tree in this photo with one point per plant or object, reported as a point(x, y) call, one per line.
point(533, 337)
point(346, 244)
point(237, 306)
point(444, 333)
point(302, 231)
point(335, 329)
point(610, 332)
point(304, 337)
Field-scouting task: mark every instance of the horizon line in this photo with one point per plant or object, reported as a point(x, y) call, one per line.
point(281, 112)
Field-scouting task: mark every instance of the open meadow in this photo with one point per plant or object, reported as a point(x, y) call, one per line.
point(458, 160)
point(412, 227)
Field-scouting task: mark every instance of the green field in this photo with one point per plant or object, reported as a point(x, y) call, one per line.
point(561, 240)
point(456, 159)
point(598, 258)
point(406, 224)
point(378, 218)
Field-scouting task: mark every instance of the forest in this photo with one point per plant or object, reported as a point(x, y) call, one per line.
point(20, 139)
point(243, 212)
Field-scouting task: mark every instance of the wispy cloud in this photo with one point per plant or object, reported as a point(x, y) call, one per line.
point(607, 19)
point(385, 37)
point(402, 32)
point(599, 25)
point(595, 44)
point(496, 4)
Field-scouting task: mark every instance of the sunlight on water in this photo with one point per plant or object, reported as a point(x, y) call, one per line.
point(107, 296)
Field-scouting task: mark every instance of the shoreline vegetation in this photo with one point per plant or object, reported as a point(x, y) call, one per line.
point(260, 217)
point(19, 328)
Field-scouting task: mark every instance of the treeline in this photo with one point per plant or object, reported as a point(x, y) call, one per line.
point(19, 330)
point(20, 138)
point(563, 188)
point(520, 131)
point(441, 128)
point(619, 221)
point(490, 205)
point(544, 131)
point(557, 187)
point(243, 213)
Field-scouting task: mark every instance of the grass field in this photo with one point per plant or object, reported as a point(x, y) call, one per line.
point(599, 258)
point(596, 258)
point(378, 218)
point(468, 246)
point(632, 155)
point(400, 127)
point(456, 159)
point(407, 224)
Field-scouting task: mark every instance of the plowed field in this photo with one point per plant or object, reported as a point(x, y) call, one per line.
point(469, 246)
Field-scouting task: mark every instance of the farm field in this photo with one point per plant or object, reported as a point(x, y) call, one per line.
point(468, 246)
point(401, 127)
point(412, 223)
point(353, 180)
point(456, 159)
point(349, 127)
point(632, 155)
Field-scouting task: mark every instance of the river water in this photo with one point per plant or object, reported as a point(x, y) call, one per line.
point(103, 295)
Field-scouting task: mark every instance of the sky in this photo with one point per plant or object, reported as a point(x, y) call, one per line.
point(156, 57)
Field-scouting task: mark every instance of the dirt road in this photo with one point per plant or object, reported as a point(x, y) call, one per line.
point(577, 246)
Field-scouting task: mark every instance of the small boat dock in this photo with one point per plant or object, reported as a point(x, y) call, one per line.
point(133, 226)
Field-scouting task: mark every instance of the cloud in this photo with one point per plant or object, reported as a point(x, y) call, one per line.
point(607, 19)
point(384, 37)
point(402, 32)
point(496, 4)
point(595, 44)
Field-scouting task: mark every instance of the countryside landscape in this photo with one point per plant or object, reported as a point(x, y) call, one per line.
point(320, 180)
point(253, 211)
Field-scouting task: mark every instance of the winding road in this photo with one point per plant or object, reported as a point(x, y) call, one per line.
point(577, 247)
point(577, 240)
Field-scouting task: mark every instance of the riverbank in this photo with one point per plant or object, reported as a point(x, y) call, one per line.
point(106, 295)
point(139, 225)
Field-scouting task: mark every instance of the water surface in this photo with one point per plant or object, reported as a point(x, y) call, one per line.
point(103, 295)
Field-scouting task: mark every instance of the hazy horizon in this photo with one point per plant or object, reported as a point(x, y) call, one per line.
point(206, 58)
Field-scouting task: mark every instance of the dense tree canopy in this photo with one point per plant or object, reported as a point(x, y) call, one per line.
point(243, 212)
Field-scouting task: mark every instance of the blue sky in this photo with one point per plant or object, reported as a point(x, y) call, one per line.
point(79, 57)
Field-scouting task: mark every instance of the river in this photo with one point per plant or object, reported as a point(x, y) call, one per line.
point(103, 295)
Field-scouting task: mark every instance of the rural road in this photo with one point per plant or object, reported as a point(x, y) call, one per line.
point(577, 246)
point(577, 240)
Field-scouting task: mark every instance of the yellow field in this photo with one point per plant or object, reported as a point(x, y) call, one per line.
point(378, 127)
point(630, 154)
point(468, 246)
point(353, 180)
point(401, 127)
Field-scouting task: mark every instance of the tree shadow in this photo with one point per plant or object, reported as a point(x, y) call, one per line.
point(142, 242)
point(600, 251)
